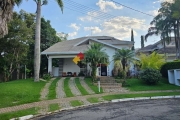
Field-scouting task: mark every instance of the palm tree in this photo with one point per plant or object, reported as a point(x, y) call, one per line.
point(95, 55)
point(6, 11)
point(125, 56)
point(166, 22)
point(37, 35)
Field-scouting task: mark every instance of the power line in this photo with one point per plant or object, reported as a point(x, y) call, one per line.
point(132, 8)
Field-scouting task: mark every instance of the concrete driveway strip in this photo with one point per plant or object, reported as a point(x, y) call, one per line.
point(162, 109)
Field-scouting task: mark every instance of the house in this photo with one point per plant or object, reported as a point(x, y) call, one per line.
point(170, 49)
point(65, 51)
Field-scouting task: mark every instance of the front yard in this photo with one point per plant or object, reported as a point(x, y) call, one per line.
point(20, 92)
point(139, 85)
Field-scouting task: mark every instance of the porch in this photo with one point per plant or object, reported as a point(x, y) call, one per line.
point(66, 67)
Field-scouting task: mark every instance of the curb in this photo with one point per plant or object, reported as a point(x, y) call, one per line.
point(145, 98)
point(112, 101)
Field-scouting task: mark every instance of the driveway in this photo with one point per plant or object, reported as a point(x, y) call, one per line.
point(163, 109)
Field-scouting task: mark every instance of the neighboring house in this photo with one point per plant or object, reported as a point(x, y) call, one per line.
point(170, 49)
point(65, 51)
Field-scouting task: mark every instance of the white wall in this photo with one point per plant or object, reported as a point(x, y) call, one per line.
point(110, 51)
point(70, 66)
point(123, 46)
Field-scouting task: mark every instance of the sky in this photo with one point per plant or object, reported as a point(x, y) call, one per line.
point(99, 17)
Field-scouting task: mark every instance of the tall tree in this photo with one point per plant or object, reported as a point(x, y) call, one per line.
point(6, 11)
point(132, 39)
point(39, 3)
point(14, 46)
point(95, 55)
point(142, 41)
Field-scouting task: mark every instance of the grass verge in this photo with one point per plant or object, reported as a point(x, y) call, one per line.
point(93, 87)
point(20, 92)
point(53, 107)
point(52, 89)
point(7, 116)
point(75, 103)
point(120, 96)
point(67, 90)
point(139, 85)
point(93, 100)
point(80, 87)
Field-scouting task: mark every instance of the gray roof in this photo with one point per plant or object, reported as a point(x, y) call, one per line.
point(169, 50)
point(69, 45)
point(152, 47)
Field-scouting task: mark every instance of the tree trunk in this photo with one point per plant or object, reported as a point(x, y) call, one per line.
point(5, 15)
point(18, 71)
point(178, 40)
point(94, 68)
point(37, 43)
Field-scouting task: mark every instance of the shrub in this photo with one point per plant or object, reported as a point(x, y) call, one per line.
point(150, 76)
point(168, 66)
point(47, 76)
point(153, 60)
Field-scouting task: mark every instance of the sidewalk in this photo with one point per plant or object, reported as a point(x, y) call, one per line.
point(65, 100)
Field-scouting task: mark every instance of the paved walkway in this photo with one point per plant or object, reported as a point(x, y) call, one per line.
point(66, 101)
point(45, 90)
point(59, 89)
point(83, 83)
point(72, 85)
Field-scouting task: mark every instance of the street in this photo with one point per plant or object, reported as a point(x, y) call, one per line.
point(163, 109)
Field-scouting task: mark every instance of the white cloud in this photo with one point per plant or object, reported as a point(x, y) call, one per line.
point(90, 16)
point(154, 12)
point(119, 27)
point(160, 1)
point(94, 30)
point(74, 26)
point(72, 34)
point(107, 4)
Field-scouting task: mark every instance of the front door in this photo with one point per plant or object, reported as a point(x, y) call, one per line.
point(103, 70)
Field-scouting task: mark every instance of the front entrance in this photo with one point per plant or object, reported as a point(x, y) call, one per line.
point(103, 70)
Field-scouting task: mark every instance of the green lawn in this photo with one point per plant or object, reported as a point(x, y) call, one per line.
point(20, 92)
point(93, 100)
point(7, 116)
point(80, 87)
point(139, 85)
point(93, 87)
point(75, 103)
point(67, 90)
point(52, 89)
point(53, 107)
point(111, 97)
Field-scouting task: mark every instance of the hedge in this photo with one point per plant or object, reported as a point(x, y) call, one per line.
point(168, 66)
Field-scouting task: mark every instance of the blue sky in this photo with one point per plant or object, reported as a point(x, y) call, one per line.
point(99, 17)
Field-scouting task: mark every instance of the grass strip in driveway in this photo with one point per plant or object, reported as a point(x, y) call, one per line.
point(20, 92)
point(93, 87)
point(67, 89)
point(75, 103)
point(7, 116)
point(80, 87)
point(93, 100)
point(52, 89)
point(53, 107)
point(120, 96)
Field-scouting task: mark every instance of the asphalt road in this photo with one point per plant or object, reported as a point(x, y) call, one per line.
point(163, 109)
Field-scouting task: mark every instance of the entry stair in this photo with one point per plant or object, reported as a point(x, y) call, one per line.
point(109, 83)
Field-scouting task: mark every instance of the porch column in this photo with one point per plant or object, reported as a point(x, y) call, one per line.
point(49, 65)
